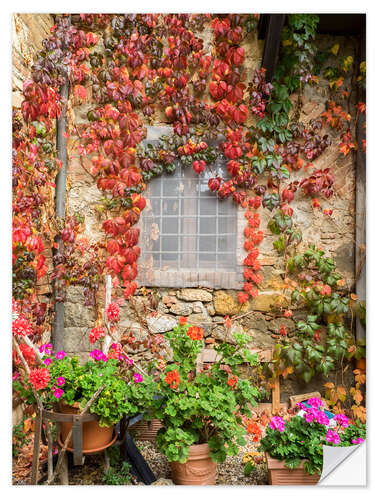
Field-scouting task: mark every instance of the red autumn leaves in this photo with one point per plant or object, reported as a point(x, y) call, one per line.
point(254, 237)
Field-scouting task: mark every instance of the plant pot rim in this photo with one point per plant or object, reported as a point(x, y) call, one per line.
point(276, 463)
point(91, 451)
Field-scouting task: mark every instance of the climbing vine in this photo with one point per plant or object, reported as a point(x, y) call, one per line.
point(133, 67)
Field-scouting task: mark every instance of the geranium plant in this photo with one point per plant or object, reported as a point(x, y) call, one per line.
point(203, 406)
point(303, 436)
point(61, 378)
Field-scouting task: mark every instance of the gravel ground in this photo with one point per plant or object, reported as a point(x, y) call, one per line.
point(228, 473)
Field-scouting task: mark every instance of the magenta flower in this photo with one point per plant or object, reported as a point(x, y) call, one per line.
point(315, 402)
point(342, 420)
point(357, 441)
point(309, 417)
point(98, 355)
point(277, 423)
point(332, 437)
point(301, 406)
point(58, 393)
point(60, 381)
point(46, 348)
point(16, 375)
point(321, 418)
point(60, 355)
point(47, 361)
point(137, 378)
point(128, 360)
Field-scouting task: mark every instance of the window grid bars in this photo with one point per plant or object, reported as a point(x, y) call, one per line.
point(197, 214)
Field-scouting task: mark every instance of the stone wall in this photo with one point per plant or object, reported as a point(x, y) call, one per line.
point(157, 311)
point(28, 32)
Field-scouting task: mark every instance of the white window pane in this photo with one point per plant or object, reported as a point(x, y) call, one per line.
point(226, 262)
point(169, 244)
point(207, 244)
point(226, 244)
point(155, 187)
point(207, 225)
point(170, 187)
point(226, 225)
point(170, 225)
point(208, 206)
point(225, 207)
point(189, 225)
point(170, 207)
point(155, 206)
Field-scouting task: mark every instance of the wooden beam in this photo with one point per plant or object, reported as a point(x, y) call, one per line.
point(271, 26)
point(360, 201)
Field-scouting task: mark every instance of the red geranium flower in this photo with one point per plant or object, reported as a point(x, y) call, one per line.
point(173, 379)
point(283, 331)
point(21, 326)
point(39, 378)
point(232, 382)
point(183, 321)
point(195, 333)
point(96, 334)
point(113, 312)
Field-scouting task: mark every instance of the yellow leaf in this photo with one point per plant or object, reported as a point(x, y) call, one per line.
point(287, 42)
point(335, 49)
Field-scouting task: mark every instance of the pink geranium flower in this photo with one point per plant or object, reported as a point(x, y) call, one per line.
point(60, 355)
point(60, 381)
point(58, 393)
point(357, 441)
point(277, 423)
point(315, 402)
point(342, 420)
point(47, 361)
point(332, 437)
point(138, 378)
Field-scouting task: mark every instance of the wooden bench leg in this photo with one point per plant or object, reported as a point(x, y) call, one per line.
point(37, 436)
point(64, 473)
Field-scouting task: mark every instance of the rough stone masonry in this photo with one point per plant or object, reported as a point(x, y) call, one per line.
point(207, 307)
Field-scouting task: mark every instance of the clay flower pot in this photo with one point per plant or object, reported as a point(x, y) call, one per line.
point(280, 475)
point(199, 469)
point(94, 437)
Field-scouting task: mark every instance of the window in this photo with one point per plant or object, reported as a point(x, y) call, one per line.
point(188, 235)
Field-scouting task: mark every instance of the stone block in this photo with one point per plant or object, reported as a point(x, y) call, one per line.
point(181, 309)
point(78, 315)
point(161, 323)
point(194, 294)
point(226, 303)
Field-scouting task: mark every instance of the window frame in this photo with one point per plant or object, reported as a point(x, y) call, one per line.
point(174, 278)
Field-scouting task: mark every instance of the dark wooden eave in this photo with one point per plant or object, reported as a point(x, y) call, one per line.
point(270, 28)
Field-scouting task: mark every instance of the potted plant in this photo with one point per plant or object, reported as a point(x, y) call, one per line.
point(201, 412)
point(65, 385)
point(294, 448)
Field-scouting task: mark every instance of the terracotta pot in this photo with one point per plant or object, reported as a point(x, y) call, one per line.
point(280, 475)
point(94, 437)
point(146, 431)
point(199, 469)
point(360, 364)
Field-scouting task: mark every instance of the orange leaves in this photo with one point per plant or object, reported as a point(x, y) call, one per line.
point(356, 395)
point(335, 116)
point(80, 91)
point(359, 377)
point(334, 394)
point(359, 412)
